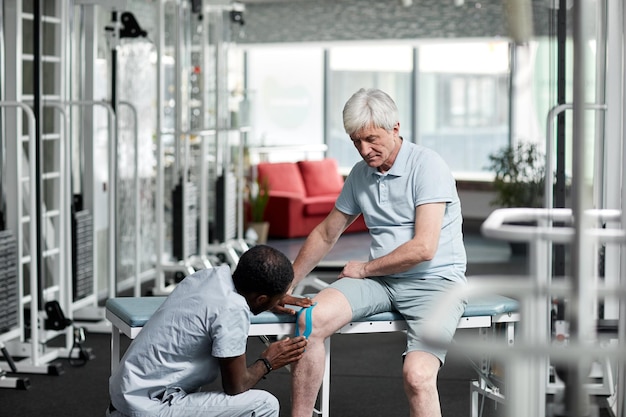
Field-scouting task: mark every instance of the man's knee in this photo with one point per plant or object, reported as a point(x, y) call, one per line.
point(307, 325)
point(420, 371)
point(417, 379)
point(330, 312)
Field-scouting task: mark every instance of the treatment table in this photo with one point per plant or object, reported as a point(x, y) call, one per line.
point(128, 315)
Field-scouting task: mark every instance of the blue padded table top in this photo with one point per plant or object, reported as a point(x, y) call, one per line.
point(487, 305)
point(490, 305)
point(135, 311)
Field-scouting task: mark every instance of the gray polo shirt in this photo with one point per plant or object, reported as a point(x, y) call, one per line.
point(388, 201)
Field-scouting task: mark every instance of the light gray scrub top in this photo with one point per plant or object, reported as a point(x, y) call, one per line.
point(203, 319)
point(388, 201)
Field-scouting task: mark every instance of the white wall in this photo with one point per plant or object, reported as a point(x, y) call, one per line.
point(476, 204)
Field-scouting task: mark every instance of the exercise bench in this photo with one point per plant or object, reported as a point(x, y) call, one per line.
point(128, 315)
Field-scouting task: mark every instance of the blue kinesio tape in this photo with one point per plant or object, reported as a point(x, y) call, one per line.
point(308, 319)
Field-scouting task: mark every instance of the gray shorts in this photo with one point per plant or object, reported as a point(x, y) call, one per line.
point(415, 299)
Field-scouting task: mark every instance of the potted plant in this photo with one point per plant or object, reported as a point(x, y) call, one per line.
point(519, 175)
point(258, 197)
point(519, 178)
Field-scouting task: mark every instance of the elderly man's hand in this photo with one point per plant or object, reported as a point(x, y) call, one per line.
point(353, 269)
point(294, 301)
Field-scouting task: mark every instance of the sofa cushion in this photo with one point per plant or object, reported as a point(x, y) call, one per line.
point(282, 177)
point(315, 206)
point(321, 177)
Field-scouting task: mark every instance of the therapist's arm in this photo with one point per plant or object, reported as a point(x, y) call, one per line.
point(422, 247)
point(238, 377)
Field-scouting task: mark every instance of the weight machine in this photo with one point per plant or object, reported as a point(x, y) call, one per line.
point(194, 144)
point(37, 194)
point(39, 201)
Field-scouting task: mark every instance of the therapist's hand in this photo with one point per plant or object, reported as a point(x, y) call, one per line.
point(294, 301)
point(285, 351)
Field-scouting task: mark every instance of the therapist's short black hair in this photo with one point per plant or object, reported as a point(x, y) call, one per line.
point(264, 270)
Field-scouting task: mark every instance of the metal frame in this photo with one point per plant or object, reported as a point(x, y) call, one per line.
point(529, 359)
point(40, 218)
point(16, 225)
point(234, 246)
point(86, 311)
point(136, 282)
point(163, 265)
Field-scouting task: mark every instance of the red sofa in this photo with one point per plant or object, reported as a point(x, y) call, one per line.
point(301, 195)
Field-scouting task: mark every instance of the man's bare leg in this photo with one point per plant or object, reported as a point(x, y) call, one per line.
point(331, 312)
point(420, 383)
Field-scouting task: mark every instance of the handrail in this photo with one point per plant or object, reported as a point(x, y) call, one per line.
point(496, 226)
point(534, 296)
point(555, 111)
point(30, 115)
point(112, 150)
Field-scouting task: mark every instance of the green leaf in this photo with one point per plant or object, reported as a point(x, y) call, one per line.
point(519, 175)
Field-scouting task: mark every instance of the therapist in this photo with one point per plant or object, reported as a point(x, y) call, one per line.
point(408, 198)
point(200, 331)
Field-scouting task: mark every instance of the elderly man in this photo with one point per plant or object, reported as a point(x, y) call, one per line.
point(408, 198)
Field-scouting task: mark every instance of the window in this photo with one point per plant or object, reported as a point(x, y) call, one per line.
point(463, 102)
point(472, 101)
point(388, 67)
point(285, 87)
point(452, 97)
